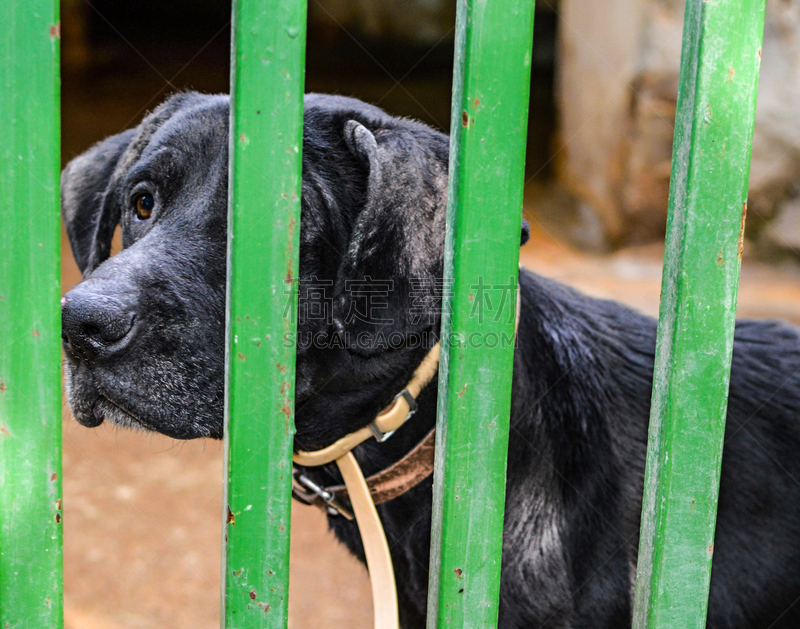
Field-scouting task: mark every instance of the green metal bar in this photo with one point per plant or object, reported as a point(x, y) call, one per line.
point(30, 318)
point(708, 202)
point(267, 80)
point(487, 157)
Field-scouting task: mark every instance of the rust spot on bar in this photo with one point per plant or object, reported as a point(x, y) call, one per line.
point(4, 431)
point(461, 393)
point(58, 518)
point(241, 356)
point(286, 410)
point(252, 594)
point(741, 230)
point(280, 367)
point(758, 52)
point(242, 137)
point(53, 477)
point(55, 31)
point(458, 572)
point(58, 504)
point(719, 258)
point(731, 72)
point(3, 387)
point(711, 550)
point(35, 332)
point(464, 118)
point(231, 519)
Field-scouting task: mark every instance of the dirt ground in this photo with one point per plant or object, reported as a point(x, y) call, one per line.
point(143, 513)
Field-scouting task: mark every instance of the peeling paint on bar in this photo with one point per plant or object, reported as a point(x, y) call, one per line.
point(30, 318)
point(487, 161)
point(260, 420)
point(705, 230)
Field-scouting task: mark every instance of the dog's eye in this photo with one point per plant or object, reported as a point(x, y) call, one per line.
point(144, 203)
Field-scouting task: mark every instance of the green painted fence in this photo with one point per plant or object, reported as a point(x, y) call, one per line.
point(720, 61)
point(30, 318)
point(264, 224)
point(707, 206)
point(489, 117)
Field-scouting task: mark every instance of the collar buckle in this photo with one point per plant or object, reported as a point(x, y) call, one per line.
point(333, 504)
point(380, 435)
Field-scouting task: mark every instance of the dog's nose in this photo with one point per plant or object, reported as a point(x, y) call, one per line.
point(93, 323)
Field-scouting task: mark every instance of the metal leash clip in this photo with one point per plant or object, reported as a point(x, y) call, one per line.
point(335, 506)
point(381, 436)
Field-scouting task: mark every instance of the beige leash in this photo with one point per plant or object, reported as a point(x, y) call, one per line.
point(384, 424)
point(376, 548)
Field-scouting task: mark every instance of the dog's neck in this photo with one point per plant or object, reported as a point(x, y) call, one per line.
point(565, 422)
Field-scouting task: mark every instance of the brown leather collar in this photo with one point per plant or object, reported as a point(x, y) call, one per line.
point(385, 485)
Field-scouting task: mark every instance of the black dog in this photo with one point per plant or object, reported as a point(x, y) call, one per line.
point(144, 339)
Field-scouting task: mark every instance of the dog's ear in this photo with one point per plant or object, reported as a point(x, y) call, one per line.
point(389, 279)
point(89, 219)
point(389, 283)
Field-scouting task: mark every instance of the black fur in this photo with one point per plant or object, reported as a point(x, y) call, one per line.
point(144, 339)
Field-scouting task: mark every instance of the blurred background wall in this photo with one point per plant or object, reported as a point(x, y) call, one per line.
point(142, 512)
point(603, 93)
point(616, 96)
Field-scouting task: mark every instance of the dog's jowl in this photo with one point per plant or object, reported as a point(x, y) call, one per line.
point(144, 345)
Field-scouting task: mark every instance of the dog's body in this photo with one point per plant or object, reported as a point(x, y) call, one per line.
point(144, 336)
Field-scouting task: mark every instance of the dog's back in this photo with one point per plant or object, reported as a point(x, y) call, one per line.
point(576, 464)
point(757, 543)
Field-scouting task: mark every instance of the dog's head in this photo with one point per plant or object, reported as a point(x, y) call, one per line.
point(144, 330)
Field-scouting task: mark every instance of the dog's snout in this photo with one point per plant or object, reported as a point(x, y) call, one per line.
point(93, 323)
